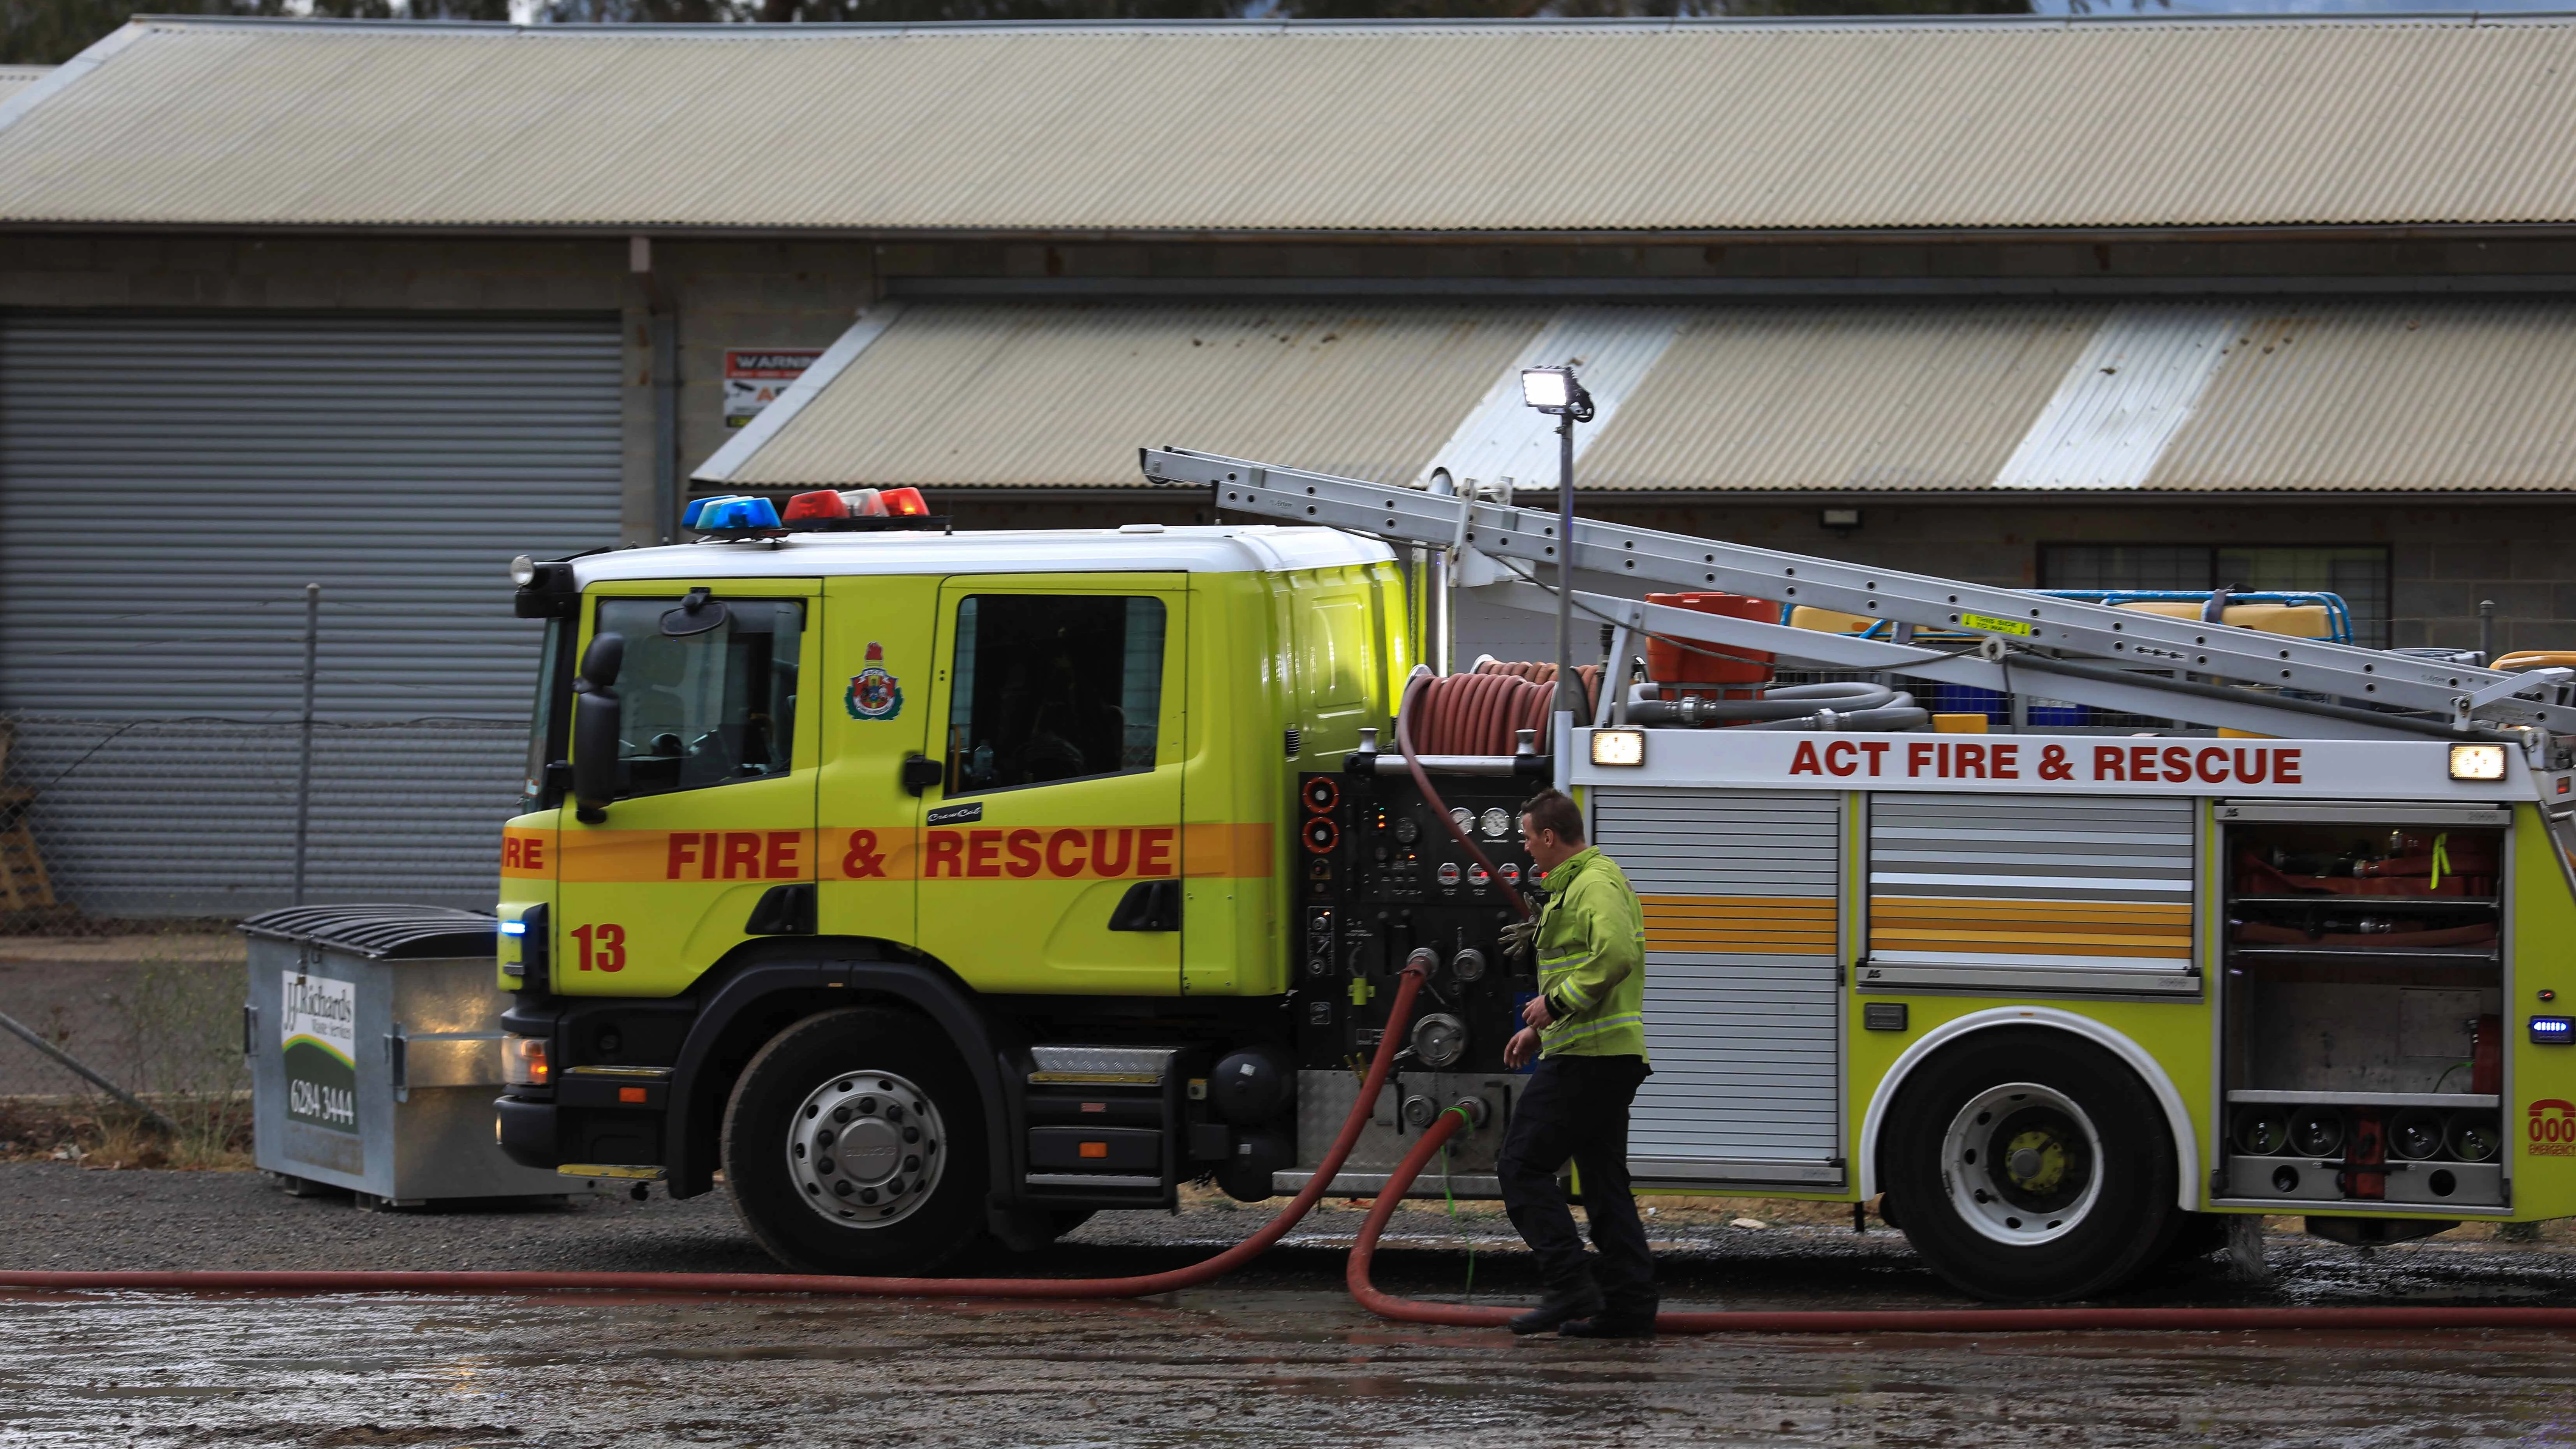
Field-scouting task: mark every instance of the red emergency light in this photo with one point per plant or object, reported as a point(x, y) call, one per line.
point(857, 509)
point(821, 504)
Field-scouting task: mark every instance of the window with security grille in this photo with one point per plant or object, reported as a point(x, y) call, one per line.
point(2358, 573)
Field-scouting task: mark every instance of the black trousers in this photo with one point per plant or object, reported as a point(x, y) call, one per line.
point(1577, 1108)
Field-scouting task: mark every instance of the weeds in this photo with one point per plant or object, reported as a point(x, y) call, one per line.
point(173, 1040)
point(183, 1040)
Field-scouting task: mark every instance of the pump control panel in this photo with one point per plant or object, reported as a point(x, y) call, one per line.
point(1382, 875)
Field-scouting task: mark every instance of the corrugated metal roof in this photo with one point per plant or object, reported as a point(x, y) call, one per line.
point(16, 78)
point(1842, 395)
point(2382, 395)
point(1562, 126)
point(2419, 395)
point(1063, 394)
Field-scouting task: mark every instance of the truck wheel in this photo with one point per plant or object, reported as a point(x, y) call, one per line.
point(854, 1143)
point(2033, 1166)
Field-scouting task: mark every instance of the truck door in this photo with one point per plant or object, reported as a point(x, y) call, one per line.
point(1051, 851)
point(717, 758)
point(873, 709)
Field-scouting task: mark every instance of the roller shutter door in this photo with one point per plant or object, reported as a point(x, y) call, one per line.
point(1743, 981)
point(168, 484)
point(2031, 893)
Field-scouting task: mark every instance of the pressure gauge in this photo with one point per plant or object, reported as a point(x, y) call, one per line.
point(1466, 820)
point(1407, 830)
point(1497, 823)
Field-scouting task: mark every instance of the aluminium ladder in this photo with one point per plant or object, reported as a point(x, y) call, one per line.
point(2126, 660)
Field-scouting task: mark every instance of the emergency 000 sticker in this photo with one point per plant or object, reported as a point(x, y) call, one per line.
point(318, 1029)
point(2552, 1132)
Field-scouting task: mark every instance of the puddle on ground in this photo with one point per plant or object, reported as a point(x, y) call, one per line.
point(1271, 1365)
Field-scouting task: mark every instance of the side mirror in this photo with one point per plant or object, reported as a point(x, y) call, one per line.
point(598, 720)
point(602, 660)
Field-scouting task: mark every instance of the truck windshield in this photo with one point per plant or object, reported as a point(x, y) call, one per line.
point(554, 685)
point(711, 707)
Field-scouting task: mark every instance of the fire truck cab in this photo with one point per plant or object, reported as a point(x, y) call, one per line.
point(937, 871)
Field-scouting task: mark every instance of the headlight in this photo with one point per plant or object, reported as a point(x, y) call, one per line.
point(2477, 762)
point(523, 571)
point(1618, 747)
point(523, 1062)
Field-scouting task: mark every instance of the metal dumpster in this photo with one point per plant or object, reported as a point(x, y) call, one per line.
point(374, 1033)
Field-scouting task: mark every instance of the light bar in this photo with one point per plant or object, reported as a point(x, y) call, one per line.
point(2477, 762)
point(734, 511)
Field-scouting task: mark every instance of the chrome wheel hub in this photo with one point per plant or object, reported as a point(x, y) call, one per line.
point(866, 1149)
point(2022, 1163)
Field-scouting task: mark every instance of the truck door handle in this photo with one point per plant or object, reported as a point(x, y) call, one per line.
point(1149, 905)
point(920, 772)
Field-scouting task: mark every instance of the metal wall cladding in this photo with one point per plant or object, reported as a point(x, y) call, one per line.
point(1743, 980)
point(1003, 394)
point(1979, 881)
point(169, 484)
point(1269, 127)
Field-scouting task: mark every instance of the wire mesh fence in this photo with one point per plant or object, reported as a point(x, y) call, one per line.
point(108, 822)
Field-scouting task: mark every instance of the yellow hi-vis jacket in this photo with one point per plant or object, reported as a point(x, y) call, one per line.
point(1592, 960)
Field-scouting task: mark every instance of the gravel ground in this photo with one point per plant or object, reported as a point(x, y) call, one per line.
point(1274, 1356)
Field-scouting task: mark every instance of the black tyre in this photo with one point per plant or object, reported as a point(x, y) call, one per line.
point(854, 1143)
point(2032, 1165)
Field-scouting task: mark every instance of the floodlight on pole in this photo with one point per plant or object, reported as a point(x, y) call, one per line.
point(1548, 389)
point(1556, 391)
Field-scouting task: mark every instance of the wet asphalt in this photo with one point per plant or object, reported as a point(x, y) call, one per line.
point(1275, 1355)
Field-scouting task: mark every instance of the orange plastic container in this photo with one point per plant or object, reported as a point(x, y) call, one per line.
point(1672, 664)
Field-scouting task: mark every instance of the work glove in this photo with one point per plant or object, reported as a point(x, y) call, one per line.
point(1517, 938)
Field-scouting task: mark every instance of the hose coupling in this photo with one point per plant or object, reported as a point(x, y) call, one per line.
point(1473, 1109)
point(1423, 961)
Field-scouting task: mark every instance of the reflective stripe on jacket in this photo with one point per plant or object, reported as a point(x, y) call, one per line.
point(1592, 960)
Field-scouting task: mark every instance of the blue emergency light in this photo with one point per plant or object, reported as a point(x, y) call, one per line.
point(2553, 1030)
point(712, 515)
point(514, 928)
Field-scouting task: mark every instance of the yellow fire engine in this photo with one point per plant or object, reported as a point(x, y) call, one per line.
point(934, 887)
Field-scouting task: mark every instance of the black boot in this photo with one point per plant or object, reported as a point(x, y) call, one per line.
point(1579, 1298)
point(1612, 1325)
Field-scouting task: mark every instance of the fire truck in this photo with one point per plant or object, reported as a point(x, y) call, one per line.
point(929, 889)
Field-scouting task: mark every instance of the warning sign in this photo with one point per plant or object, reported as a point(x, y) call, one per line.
point(753, 378)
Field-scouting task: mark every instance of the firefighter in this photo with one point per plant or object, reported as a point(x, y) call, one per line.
point(1587, 1026)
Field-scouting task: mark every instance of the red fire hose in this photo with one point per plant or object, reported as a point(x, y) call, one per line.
point(1145, 1285)
point(1923, 1320)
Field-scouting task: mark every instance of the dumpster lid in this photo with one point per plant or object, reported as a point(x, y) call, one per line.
point(381, 932)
